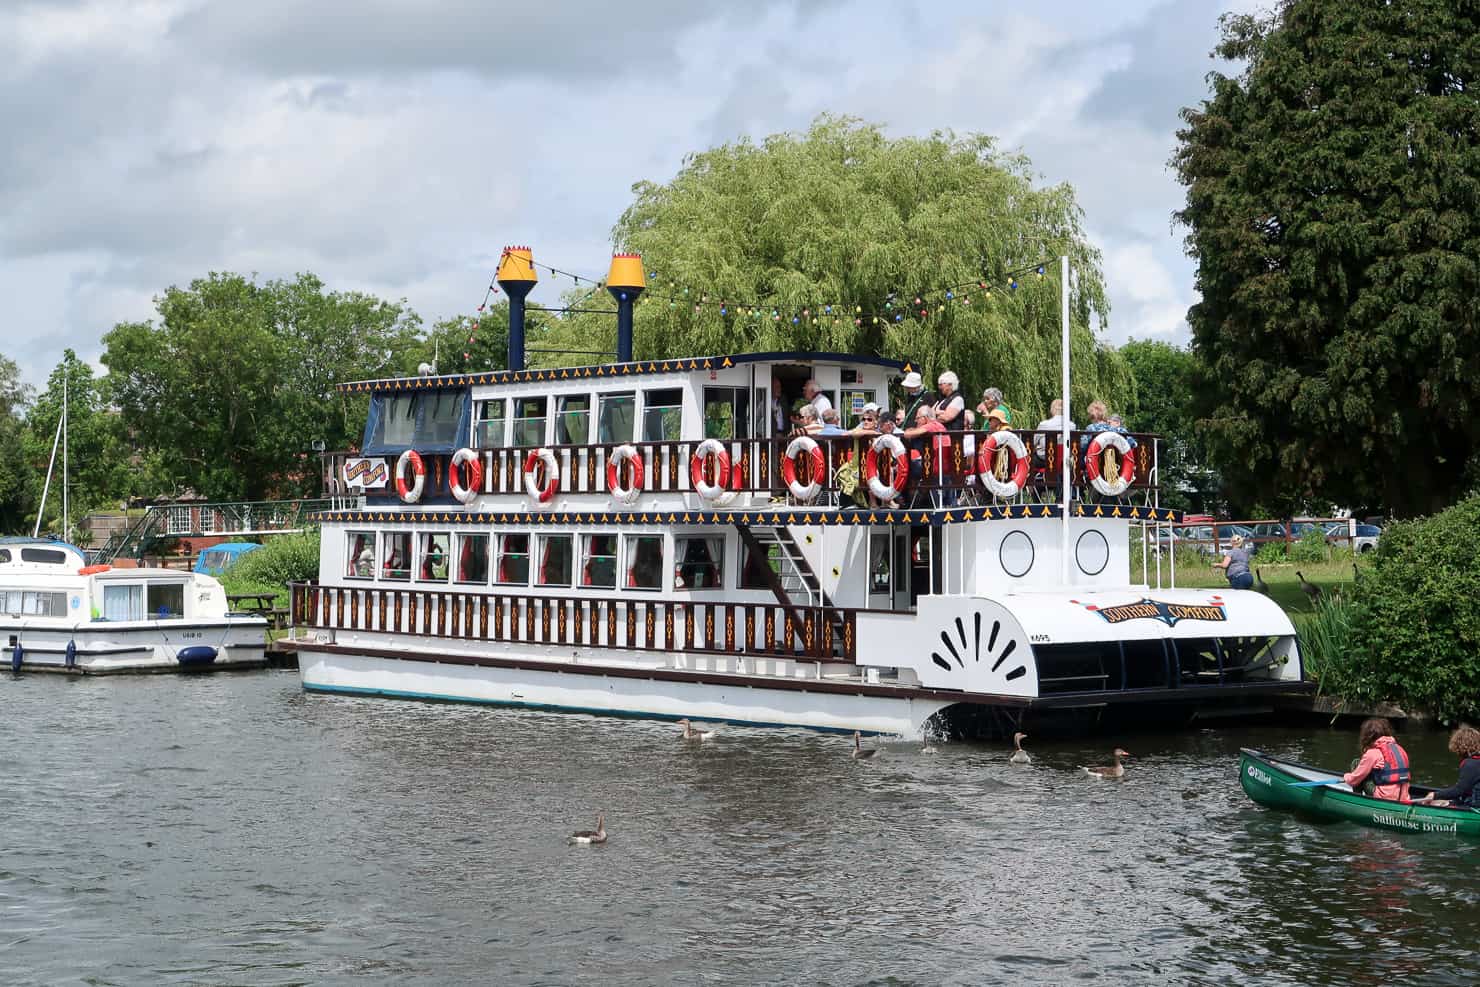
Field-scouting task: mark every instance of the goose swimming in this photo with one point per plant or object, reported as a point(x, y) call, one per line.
point(598, 835)
point(861, 752)
point(1116, 770)
point(689, 733)
point(1018, 755)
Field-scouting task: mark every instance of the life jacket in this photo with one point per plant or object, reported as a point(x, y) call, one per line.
point(1394, 767)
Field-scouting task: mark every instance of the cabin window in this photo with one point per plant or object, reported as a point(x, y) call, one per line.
point(397, 546)
point(430, 421)
point(878, 562)
point(851, 407)
point(615, 416)
point(50, 556)
point(123, 602)
point(166, 601)
point(30, 603)
point(599, 561)
point(662, 415)
point(726, 413)
point(359, 555)
point(644, 561)
point(529, 422)
point(439, 421)
point(753, 567)
point(555, 560)
point(472, 558)
point(699, 562)
point(4, 555)
point(513, 560)
point(432, 557)
point(491, 422)
point(573, 420)
point(398, 419)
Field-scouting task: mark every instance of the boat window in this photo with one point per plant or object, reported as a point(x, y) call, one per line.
point(472, 558)
point(439, 421)
point(852, 407)
point(359, 556)
point(513, 560)
point(432, 557)
point(529, 422)
point(31, 603)
point(50, 556)
point(397, 545)
point(398, 419)
point(4, 555)
point(166, 601)
point(599, 561)
point(490, 429)
point(700, 562)
point(752, 567)
point(430, 421)
point(123, 602)
point(555, 560)
point(573, 420)
point(614, 419)
point(662, 415)
point(878, 562)
point(644, 561)
point(726, 413)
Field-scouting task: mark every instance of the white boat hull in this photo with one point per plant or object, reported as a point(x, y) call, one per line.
point(591, 691)
point(140, 646)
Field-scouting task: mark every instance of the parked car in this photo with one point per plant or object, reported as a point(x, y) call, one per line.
point(1365, 540)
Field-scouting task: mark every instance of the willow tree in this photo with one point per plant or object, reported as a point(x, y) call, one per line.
point(843, 240)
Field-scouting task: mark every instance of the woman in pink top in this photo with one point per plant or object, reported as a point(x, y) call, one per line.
point(1383, 761)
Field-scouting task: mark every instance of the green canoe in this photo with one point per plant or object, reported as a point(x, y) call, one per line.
point(1277, 783)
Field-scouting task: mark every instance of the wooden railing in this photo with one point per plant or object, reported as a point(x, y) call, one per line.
point(947, 462)
point(759, 629)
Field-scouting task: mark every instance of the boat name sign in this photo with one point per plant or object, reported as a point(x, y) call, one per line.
point(1167, 613)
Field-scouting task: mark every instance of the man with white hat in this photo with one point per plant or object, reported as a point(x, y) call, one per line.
point(914, 395)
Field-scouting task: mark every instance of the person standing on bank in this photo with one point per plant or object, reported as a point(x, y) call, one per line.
point(1235, 564)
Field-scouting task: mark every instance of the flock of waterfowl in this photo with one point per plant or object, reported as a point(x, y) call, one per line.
point(862, 753)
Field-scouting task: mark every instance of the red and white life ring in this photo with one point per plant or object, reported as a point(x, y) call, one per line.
point(464, 494)
point(711, 454)
point(621, 456)
point(986, 459)
point(886, 443)
point(804, 446)
point(1092, 468)
point(410, 493)
point(541, 457)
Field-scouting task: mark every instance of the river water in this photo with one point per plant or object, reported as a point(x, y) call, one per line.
point(231, 829)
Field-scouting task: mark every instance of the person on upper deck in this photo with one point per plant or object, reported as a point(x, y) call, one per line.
point(868, 422)
point(1097, 414)
point(914, 396)
point(991, 401)
point(814, 396)
point(1383, 764)
point(1465, 792)
point(926, 429)
point(806, 421)
point(1053, 423)
point(1235, 564)
point(950, 408)
point(1117, 425)
point(779, 417)
point(830, 424)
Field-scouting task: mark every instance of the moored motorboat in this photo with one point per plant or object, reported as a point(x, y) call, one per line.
point(1289, 785)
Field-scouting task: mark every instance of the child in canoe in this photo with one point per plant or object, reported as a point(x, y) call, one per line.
point(1383, 763)
point(1466, 791)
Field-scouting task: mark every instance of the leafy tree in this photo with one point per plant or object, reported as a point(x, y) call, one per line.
point(18, 482)
point(842, 216)
point(236, 381)
point(1164, 402)
point(479, 342)
point(1333, 208)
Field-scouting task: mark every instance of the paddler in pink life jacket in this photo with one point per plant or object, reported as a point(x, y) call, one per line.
point(1383, 761)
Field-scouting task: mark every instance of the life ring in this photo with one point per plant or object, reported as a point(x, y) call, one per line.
point(890, 444)
point(410, 494)
point(986, 459)
point(1092, 467)
point(543, 457)
point(465, 457)
point(91, 570)
point(711, 450)
point(804, 445)
point(620, 457)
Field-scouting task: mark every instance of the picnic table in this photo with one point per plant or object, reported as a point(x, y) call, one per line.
point(263, 602)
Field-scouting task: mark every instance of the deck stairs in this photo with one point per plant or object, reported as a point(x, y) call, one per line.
point(797, 581)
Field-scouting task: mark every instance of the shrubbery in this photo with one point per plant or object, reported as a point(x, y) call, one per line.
point(281, 559)
point(1412, 624)
point(1311, 547)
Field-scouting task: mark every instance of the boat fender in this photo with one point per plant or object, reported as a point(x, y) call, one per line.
point(17, 655)
point(1017, 472)
point(805, 448)
point(71, 658)
point(616, 464)
point(410, 493)
point(542, 457)
point(1127, 466)
point(465, 494)
point(876, 486)
point(89, 570)
point(711, 450)
point(201, 654)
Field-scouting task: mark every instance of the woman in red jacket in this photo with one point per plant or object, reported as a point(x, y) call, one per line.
point(1383, 762)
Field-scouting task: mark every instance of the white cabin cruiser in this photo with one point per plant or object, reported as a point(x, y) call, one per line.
point(62, 615)
point(644, 538)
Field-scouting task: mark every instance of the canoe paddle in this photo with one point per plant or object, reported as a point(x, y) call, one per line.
point(1314, 784)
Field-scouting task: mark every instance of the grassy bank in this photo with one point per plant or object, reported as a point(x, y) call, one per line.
point(1284, 584)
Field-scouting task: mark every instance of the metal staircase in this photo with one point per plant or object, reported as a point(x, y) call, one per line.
point(193, 520)
point(796, 584)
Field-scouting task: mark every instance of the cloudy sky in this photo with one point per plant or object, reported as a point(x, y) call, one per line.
point(395, 146)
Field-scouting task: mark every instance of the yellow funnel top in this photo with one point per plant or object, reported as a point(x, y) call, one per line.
point(626, 272)
point(517, 264)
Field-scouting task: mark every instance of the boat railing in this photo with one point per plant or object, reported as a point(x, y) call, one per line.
point(939, 463)
point(807, 633)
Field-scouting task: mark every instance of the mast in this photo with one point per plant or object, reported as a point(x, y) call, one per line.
point(66, 517)
point(1064, 419)
point(46, 489)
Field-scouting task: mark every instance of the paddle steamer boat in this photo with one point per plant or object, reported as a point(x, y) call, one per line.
point(643, 538)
